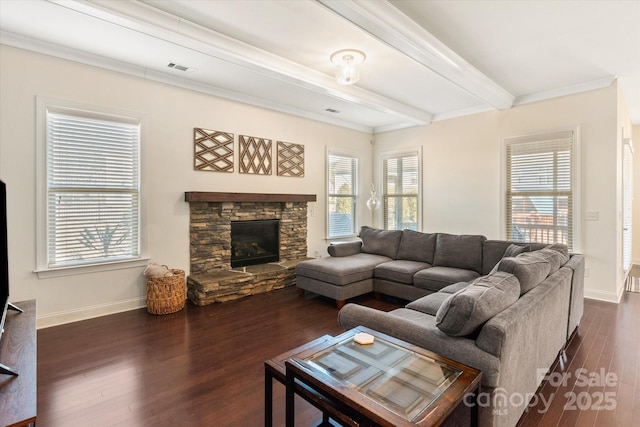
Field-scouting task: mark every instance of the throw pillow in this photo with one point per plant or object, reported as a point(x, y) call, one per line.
point(515, 250)
point(511, 251)
point(467, 310)
point(380, 242)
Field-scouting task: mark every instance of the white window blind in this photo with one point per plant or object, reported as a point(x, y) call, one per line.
point(92, 188)
point(540, 188)
point(401, 179)
point(342, 172)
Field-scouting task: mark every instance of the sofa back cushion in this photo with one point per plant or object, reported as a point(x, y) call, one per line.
point(417, 246)
point(380, 242)
point(530, 268)
point(494, 250)
point(556, 254)
point(459, 251)
point(467, 310)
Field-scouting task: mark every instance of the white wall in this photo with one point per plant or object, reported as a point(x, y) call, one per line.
point(462, 173)
point(170, 115)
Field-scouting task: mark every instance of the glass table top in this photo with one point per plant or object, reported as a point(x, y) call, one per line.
point(397, 378)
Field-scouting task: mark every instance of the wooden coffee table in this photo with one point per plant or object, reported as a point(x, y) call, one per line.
point(387, 383)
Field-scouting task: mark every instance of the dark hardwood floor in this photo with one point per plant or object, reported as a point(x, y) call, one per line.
point(204, 366)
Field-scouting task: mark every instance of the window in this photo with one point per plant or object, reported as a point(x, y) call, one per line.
point(342, 171)
point(401, 188)
point(540, 183)
point(91, 189)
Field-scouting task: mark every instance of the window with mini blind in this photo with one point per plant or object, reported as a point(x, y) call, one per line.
point(401, 191)
point(540, 188)
point(91, 194)
point(342, 192)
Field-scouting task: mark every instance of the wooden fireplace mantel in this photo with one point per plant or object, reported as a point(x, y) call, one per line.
point(204, 196)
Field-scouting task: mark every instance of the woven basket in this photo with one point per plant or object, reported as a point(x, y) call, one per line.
point(166, 294)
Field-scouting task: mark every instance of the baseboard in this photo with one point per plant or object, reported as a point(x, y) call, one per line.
point(606, 296)
point(68, 316)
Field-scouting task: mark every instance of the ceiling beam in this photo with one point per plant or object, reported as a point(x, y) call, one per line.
point(155, 23)
point(385, 22)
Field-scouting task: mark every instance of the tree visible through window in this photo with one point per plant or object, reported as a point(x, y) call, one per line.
point(539, 193)
point(401, 177)
point(342, 171)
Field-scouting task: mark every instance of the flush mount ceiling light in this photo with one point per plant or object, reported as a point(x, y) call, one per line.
point(347, 60)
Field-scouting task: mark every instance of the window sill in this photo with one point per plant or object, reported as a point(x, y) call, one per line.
point(47, 273)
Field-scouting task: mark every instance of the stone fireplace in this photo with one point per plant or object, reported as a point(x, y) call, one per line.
point(214, 277)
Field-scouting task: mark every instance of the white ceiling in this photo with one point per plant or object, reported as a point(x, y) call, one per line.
point(426, 60)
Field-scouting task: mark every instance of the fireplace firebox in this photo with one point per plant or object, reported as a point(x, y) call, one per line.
point(255, 242)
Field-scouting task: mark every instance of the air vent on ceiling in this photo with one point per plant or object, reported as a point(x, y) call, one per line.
point(179, 67)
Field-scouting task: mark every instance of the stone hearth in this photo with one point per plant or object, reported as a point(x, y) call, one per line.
point(211, 277)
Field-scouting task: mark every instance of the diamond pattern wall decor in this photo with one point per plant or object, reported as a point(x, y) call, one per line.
point(213, 150)
point(255, 155)
point(290, 159)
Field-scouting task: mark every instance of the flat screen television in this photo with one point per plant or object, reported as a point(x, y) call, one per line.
point(4, 271)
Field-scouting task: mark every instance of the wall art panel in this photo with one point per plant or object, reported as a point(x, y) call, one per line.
point(290, 159)
point(254, 155)
point(213, 150)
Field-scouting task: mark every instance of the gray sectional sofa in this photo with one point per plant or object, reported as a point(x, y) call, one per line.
point(401, 263)
point(510, 315)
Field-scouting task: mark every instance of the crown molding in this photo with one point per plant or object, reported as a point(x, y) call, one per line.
point(395, 126)
point(382, 20)
point(463, 112)
point(49, 49)
point(567, 90)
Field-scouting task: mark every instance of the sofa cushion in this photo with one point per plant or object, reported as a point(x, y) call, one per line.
point(530, 268)
point(452, 289)
point(459, 251)
point(556, 254)
point(436, 278)
point(465, 311)
point(340, 270)
point(380, 242)
point(417, 246)
point(429, 304)
point(399, 270)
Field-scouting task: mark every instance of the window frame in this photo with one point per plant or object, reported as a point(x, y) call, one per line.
point(43, 106)
point(395, 154)
point(354, 195)
point(575, 179)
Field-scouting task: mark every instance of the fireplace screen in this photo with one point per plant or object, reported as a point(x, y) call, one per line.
point(255, 242)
